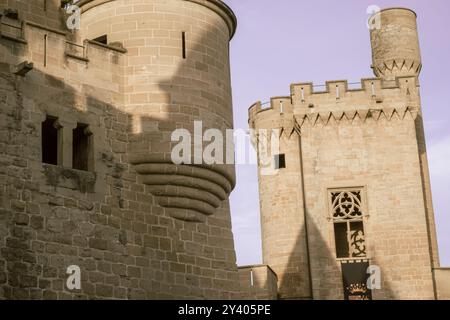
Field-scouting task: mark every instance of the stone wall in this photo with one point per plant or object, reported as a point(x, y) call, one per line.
point(370, 138)
point(43, 12)
point(107, 220)
point(363, 138)
point(443, 283)
point(381, 156)
point(165, 89)
point(259, 282)
point(281, 203)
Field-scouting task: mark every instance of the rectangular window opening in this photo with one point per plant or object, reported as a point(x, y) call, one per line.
point(340, 235)
point(82, 145)
point(183, 40)
point(11, 14)
point(102, 39)
point(49, 141)
point(280, 161)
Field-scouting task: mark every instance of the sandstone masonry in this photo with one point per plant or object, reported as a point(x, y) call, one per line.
point(105, 99)
point(357, 153)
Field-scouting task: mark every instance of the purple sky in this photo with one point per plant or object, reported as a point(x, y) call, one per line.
point(287, 41)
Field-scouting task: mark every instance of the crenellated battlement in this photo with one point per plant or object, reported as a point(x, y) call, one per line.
point(55, 52)
point(339, 96)
point(276, 104)
point(324, 142)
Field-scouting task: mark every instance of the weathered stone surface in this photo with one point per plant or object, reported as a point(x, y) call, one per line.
point(105, 220)
point(371, 139)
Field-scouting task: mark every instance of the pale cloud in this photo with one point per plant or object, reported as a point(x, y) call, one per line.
point(439, 157)
point(435, 125)
point(245, 216)
point(439, 160)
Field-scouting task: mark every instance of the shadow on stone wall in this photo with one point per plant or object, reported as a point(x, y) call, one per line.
point(126, 246)
point(327, 283)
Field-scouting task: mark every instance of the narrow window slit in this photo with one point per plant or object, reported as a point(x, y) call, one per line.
point(45, 50)
point(183, 42)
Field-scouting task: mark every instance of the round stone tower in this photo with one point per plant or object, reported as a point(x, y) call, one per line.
point(396, 52)
point(177, 73)
point(395, 43)
point(283, 223)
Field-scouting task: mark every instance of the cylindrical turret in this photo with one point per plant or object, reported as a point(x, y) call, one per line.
point(177, 73)
point(283, 227)
point(395, 43)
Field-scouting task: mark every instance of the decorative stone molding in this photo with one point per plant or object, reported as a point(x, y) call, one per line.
point(365, 114)
point(407, 66)
point(189, 192)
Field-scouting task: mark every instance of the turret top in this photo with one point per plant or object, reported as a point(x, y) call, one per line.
point(395, 43)
point(396, 8)
point(217, 6)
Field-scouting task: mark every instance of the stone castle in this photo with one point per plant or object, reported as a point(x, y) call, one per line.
point(350, 192)
point(87, 181)
point(86, 177)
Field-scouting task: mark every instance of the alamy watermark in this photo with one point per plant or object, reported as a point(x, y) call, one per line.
point(74, 280)
point(374, 21)
point(214, 146)
point(73, 22)
point(374, 280)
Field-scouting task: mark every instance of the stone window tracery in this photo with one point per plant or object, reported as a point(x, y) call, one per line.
point(348, 212)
